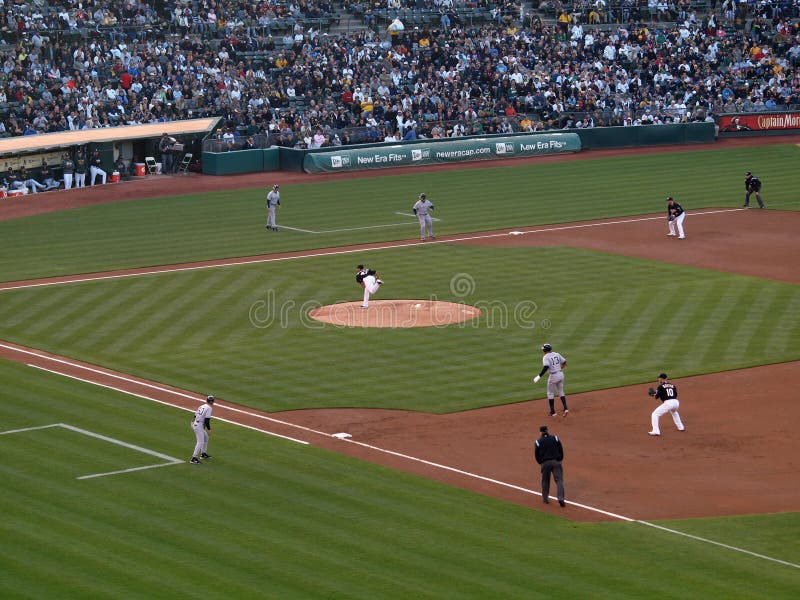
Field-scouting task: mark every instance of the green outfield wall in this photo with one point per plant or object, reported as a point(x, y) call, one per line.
point(427, 152)
point(241, 161)
point(433, 152)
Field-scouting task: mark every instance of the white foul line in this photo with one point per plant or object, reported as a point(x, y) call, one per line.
point(171, 460)
point(143, 397)
point(355, 228)
point(391, 246)
point(376, 449)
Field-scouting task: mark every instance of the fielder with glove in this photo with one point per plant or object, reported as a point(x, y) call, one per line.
point(675, 217)
point(667, 393)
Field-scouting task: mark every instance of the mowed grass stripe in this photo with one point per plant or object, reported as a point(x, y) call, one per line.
point(269, 366)
point(228, 224)
point(319, 524)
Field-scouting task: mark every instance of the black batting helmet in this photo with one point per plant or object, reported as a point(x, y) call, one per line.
point(546, 347)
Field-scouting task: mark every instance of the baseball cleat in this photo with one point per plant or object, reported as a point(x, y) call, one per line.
point(204, 455)
point(683, 237)
point(566, 412)
point(653, 433)
point(561, 503)
point(545, 500)
point(552, 414)
point(671, 234)
point(195, 460)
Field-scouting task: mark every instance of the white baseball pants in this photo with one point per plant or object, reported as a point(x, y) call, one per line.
point(371, 286)
point(677, 222)
point(668, 406)
point(95, 171)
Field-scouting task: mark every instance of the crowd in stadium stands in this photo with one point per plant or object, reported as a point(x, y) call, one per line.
point(270, 69)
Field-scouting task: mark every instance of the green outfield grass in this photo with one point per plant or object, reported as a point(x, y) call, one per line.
point(268, 518)
point(227, 224)
point(242, 331)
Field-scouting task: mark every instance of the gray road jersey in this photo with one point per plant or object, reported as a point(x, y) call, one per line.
point(423, 206)
point(273, 199)
point(553, 362)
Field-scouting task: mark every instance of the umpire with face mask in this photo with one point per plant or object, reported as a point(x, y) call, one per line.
point(549, 453)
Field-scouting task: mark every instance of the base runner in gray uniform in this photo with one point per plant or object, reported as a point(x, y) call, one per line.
point(422, 208)
point(273, 202)
point(553, 364)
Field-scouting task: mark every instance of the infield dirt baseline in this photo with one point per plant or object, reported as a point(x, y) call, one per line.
point(404, 223)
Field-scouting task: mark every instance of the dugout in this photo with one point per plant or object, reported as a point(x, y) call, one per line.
point(132, 143)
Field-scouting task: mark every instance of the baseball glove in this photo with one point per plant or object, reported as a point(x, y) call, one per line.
point(651, 392)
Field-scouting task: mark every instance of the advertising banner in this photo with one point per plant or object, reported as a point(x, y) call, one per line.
point(782, 121)
point(438, 152)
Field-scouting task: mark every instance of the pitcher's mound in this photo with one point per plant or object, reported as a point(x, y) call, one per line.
point(395, 313)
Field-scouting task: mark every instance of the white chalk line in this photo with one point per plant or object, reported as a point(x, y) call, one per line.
point(376, 448)
point(151, 399)
point(384, 451)
point(402, 214)
point(171, 460)
point(312, 254)
point(323, 231)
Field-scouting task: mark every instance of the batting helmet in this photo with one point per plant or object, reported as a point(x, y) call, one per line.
point(210, 399)
point(546, 347)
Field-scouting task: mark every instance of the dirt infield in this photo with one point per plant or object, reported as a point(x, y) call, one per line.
point(739, 455)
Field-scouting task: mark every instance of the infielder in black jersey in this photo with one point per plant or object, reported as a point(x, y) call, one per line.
point(675, 217)
point(752, 185)
point(667, 393)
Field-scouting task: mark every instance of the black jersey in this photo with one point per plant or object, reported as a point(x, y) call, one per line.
point(363, 273)
point(675, 209)
point(667, 391)
point(548, 447)
point(752, 184)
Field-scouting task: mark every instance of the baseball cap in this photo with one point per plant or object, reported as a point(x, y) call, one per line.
point(670, 199)
point(210, 399)
point(275, 187)
point(748, 173)
point(662, 376)
point(543, 428)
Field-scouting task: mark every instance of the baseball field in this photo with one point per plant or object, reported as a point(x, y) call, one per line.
point(390, 454)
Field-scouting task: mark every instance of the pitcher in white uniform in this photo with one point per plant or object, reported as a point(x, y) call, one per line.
point(372, 283)
point(553, 364)
point(201, 425)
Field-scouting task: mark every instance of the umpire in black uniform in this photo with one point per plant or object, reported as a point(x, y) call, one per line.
point(549, 454)
point(752, 185)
